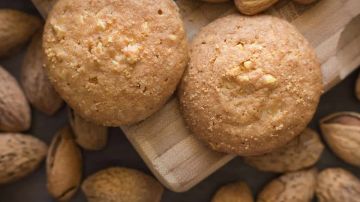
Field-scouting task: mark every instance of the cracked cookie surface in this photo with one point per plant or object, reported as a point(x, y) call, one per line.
point(115, 62)
point(253, 84)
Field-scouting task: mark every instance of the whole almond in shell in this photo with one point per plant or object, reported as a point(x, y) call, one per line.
point(119, 184)
point(296, 186)
point(342, 133)
point(63, 166)
point(251, 7)
point(337, 185)
point(302, 152)
point(34, 80)
point(88, 135)
point(16, 28)
point(19, 156)
point(233, 192)
point(14, 109)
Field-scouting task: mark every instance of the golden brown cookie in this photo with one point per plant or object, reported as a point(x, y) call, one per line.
point(115, 62)
point(253, 84)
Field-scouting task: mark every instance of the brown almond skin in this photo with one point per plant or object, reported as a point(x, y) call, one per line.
point(20, 155)
point(305, 1)
point(16, 28)
point(341, 131)
point(296, 186)
point(63, 166)
point(88, 135)
point(302, 152)
point(15, 112)
point(34, 80)
point(337, 185)
point(251, 7)
point(119, 184)
point(233, 192)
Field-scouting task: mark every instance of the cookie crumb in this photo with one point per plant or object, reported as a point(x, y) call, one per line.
point(131, 53)
point(249, 64)
point(269, 79)
point(101, 24)
point(172, 37)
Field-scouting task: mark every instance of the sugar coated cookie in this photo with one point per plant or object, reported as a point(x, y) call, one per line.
point(115, 62)
point(253, 84)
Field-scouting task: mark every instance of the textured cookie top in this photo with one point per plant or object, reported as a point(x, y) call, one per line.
point(253, 83)
point(115, 62)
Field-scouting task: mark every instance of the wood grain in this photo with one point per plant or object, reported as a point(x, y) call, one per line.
point(172, 153)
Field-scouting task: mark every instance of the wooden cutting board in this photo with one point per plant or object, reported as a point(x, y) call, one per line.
point(171, 152)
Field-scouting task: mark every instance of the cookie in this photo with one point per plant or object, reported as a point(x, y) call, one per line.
point(115, 62)
point(252, 85)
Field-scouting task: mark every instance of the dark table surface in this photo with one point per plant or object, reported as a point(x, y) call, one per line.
point(119, 151)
